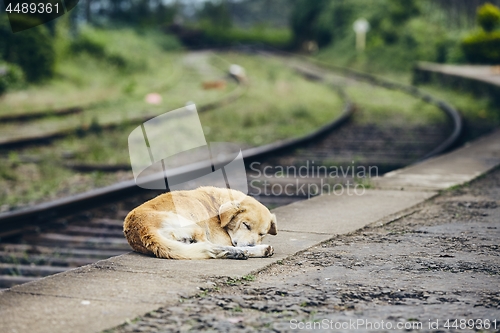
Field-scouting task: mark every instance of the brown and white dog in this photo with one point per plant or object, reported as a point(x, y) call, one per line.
point(208, 222)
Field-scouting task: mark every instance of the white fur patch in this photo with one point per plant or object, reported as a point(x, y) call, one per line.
point(176, 227)
point(175, 220)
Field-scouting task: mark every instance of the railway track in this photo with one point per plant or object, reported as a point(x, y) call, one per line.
point(57, 236)
point(48, 137)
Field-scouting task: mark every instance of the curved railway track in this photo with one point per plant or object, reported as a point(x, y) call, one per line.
point(70, 232)
point(48, 137)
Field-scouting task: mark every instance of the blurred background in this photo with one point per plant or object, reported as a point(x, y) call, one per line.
point(73, 89)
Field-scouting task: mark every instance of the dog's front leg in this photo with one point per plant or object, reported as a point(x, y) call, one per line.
point(230, 252)
point(258, 251)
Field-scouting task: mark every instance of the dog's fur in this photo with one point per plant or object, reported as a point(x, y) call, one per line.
point(208, 222)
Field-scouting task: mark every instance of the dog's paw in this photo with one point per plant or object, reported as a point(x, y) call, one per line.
point(237, 254)
point(187, 240)
point(269, 251)
point(229, 252)
point(219, 254)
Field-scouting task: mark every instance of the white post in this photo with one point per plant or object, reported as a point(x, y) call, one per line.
point(361, 26)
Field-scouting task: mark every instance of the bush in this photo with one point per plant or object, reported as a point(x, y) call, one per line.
point(85, 43)
point(11, 76)
point(482, 47)
point(94, 45)
point(234, 36)
point(216, 14)
point(401, 11)
point(321, 21)
point(207, 35)
point(126, 49)
point(32, 50)
point(488, 17)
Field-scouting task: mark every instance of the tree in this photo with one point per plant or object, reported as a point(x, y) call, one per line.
point(31, 49)
point(320, 21)
point(216, 14)
point(488, 17)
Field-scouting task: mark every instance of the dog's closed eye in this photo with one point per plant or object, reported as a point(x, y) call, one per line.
point(247, 225)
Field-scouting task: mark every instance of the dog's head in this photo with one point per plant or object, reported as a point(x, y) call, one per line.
point(247, 222)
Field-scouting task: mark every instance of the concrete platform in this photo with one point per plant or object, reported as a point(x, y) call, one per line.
point(105, 294)
point(452, 169)
point(482, 81)
point(489, 74)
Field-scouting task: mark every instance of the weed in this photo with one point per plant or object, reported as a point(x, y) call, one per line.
point(363, 181)
point(203, 293)
point(248, 277)
point(237, 281)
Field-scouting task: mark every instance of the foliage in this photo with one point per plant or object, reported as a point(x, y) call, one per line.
point(320, 21)
point(275, 107)
point(488, 17)
point(11, 76)
point(273, 37)
point(214, 27)
point(95, 44)
point(32, 50)
point(401, 33)
point(206, 35)
point(482, 47)
point(137, 13)
point(122, 48)
point(216, 14)
point(326, 22)
point(390, 19)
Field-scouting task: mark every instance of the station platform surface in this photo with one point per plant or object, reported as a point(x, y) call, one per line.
point(110, 292)
point(488, 74)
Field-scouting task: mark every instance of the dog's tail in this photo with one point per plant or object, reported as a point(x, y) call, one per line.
point(150, 241)
point(163, 247)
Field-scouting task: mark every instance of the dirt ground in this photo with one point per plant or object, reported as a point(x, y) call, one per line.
point(435, 270)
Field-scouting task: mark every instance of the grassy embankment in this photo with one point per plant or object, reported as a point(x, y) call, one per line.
point(277, 104)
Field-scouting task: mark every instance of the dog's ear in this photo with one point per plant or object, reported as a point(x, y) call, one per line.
point(228, 211)
point(273, 230)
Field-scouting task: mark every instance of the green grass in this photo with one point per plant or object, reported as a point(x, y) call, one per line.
point(25, 182)
point(476, 111)
point(392, 107)
point(178, 82)
point(394, 46)
point(279, 38)
point(82, 79)
point(271, 109)
point(473, 108)
point(277, 104)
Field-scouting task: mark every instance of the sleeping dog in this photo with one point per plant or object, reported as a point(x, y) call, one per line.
point(208, 222)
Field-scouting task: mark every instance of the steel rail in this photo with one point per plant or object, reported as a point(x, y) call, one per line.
point(46, 138)
point(450, 111)
point(17, 221)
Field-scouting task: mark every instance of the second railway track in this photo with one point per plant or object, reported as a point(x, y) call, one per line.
point(57, 236)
